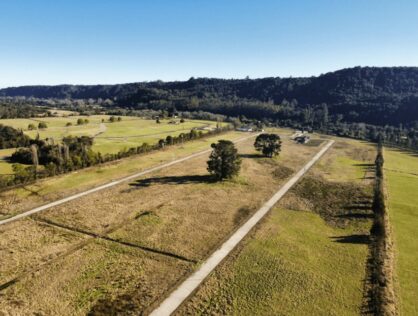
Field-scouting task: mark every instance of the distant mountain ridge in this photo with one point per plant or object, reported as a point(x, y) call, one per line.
point(377, 95)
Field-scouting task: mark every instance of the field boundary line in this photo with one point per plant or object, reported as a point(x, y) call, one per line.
point(111, 184)
point(187, 287)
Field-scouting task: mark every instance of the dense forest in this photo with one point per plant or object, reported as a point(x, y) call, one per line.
point(378, 96)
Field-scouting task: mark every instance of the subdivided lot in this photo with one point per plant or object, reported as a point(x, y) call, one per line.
point(50, 189)
point(401, 172)
point(308, 257)
point(108, 137)
point(74, 284)
point(149, 233)
point(26, 244)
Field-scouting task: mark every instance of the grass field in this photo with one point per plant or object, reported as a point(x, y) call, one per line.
point(59, 186)
point(401, 171)
point(176, 211)
point(5, 166)
point(296, 263)
point(109, 137)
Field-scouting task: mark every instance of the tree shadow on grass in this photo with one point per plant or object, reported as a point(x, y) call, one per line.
point(356, 216)
point(174, 180)
point(251, 156)
point(359, 239)
point(364, 165)
point(406, 151)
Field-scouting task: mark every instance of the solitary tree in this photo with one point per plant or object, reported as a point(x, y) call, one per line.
point(269, 144)
point(42, 125)
point(224, 161)
point(31, 127)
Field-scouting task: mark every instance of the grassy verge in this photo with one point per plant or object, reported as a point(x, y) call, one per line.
point(294, 265)
point(401, 171)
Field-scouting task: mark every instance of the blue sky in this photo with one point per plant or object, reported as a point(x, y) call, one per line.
point(91, 41)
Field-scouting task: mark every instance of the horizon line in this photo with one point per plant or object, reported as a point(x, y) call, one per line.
point(193, 77)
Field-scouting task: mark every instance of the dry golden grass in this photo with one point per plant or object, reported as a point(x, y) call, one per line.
point(25, 244)
point(187, 215)
point(57, 187)
point(71, 285)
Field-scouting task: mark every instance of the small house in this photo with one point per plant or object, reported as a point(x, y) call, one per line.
point(245, 129)
point(302, 139)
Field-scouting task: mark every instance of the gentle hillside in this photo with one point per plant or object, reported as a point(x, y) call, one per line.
point(387, 95)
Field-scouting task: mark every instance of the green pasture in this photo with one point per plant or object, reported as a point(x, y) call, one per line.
point(108, 137)
point(401, 171)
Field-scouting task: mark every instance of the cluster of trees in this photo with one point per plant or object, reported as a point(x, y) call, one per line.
point(81, 121)
point(10, 108)
point(12, 138)
point(76, 153)
point(73, 153)
point(224, 161)
point(113, 119)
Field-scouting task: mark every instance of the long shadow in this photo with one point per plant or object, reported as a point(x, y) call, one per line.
point(365, 165)
point(366, 207)
point(251, 156)
point(355, 216)
point(410, 152)
point(352, 239)
point(173, 180)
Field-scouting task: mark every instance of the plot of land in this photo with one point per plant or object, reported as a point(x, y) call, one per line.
point(401, 171)
point(108, 137)
point(15, 201)
point(156, 228)
point(297, 262)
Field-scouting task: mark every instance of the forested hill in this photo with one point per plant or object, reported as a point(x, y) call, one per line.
point(387, 95)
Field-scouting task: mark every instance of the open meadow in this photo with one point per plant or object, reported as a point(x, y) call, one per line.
point(308, 257)
point(401, 175)
point(109, 137)
point(125, 247)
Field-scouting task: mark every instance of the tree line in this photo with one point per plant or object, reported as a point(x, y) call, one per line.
point(381, 287)
point(372, 95)
point(45, 158)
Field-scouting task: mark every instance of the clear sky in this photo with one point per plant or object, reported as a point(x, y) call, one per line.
point(103, 41)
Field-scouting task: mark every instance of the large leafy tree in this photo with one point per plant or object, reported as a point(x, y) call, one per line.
point(224, 161)
point(269, 144)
